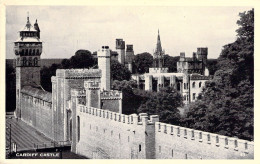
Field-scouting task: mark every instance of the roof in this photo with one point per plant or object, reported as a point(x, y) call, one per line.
point(38, 93)
point(28, 26)
point(28, 39)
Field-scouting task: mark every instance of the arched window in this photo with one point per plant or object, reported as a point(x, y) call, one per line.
point(30, 61)
point(24, 61)
point(193, 84)
point(35, 61)
point(37, 52)
point(184, 97)
point(26, 52)
point(200, 84)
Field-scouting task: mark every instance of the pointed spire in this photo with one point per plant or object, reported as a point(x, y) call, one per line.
point(27, 16)
point(158, 45)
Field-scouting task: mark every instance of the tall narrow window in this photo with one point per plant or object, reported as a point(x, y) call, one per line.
point(200, 84)
point(35, 61)
point(140, 147)
point(30, 61)
point(194, 96)
point(193, 84)
point(78, 128)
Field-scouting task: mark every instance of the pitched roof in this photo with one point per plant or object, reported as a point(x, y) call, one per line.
point(38, 93)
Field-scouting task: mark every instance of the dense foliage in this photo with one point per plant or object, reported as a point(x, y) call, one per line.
point(119, 71)
point(142, 63)
point(171, 62)
point(226, 105)
point(82, 59)
point(163, 103)
point(10, 88)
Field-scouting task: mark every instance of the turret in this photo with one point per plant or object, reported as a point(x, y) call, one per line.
point(104, 64)
point(120, 48)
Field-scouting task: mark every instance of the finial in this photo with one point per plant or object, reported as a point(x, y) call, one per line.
point(27, 15)
point(158, 31)
point(36, 20)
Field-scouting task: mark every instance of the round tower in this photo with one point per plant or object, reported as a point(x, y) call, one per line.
point(104, 64)
point(27, 49)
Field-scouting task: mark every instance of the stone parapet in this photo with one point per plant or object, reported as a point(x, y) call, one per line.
point(78, 73)
point(114, 116)
point(233, 144)
point(113, 94)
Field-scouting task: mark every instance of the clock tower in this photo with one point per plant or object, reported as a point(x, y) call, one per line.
point(27, 49)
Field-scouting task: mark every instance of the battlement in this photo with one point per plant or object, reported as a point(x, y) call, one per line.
point(199, 77)
point(134, 119)
point(158, 70)
point(78, 73)
point(113, 94)
point(120, 44)
point(202, 50)
point(129, 47)
point(205, 137)
point(91, 85)
point(78, 93)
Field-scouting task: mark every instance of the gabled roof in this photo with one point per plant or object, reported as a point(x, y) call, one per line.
point(38, 93)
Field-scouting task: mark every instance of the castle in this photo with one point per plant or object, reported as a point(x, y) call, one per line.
point(190, 77)
point(83, 109)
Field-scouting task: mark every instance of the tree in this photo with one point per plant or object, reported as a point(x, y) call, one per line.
point(143, 62)
point(164, 104)
point(10, 88)
point(81, 59)
point(226, 104)
point(46, 74)
point(119, 71)
point(171, 62)
point(130, 102)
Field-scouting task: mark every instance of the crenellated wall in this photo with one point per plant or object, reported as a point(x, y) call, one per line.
point(175, 142)
point(105, 134)
point(111, 100)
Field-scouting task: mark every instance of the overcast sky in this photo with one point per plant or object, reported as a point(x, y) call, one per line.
point(182, 29)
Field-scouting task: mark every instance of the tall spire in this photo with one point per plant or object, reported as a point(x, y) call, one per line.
point(158, 45)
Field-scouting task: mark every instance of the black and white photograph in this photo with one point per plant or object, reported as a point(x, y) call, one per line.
point(129, 82)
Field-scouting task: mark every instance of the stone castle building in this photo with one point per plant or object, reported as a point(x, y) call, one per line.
point(123, 55)
point(84, 110)
point(190, 77)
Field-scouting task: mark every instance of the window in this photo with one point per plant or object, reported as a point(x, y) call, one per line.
point(184, 97)
point(78, 128)
point(24, 61)
point(140, 147)
point(193, 84)
point(194, 96)
point(226, 141)
point(172, 152)
point(200, 84)
point(159, 149)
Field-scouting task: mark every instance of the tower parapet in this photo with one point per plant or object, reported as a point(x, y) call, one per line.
point(113, 94)
point(120, 48)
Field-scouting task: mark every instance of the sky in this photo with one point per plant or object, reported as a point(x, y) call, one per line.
point(65, 29)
